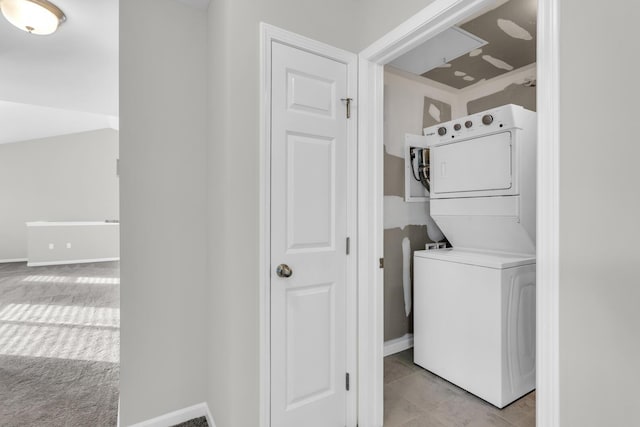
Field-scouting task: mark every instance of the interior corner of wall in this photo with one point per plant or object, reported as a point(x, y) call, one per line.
point(114, 122)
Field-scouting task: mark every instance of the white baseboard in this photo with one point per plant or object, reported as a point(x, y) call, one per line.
point(4, 261)
point(397, 345)
point(71, 261)
point(179, 416)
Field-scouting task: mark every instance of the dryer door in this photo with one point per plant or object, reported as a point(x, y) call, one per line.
point(483, 164)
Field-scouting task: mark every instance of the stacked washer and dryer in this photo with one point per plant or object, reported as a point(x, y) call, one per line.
point(474, 304)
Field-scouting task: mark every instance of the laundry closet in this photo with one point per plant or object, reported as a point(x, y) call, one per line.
point(460, 139)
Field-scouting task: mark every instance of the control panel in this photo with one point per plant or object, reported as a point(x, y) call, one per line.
point(501, 118)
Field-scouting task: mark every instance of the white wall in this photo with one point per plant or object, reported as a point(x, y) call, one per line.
point(163, 82)
point(234, 180)
point(63, 178)
point(51, 243)
point(599, 215)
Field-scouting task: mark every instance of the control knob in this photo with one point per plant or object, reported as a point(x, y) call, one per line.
point(442, 131)
point(468, 124)
point(487, 119)
point(457, 126)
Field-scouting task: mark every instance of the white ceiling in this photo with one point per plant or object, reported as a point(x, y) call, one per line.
point(74, 69)
point(23, 122)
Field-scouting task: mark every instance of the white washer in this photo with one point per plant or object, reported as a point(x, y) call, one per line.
point(474, 321)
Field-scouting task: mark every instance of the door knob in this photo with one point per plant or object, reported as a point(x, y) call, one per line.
point(283, 270)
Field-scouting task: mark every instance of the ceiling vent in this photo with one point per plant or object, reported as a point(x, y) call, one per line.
point(437, 51)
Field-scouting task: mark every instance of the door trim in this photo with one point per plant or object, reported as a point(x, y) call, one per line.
point(548, 216)
point(268, 35)
point(437, 16)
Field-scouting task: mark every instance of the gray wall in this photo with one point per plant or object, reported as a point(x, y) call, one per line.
point(406, 110)
point(599, 215)
point(515, 93)
point(163, 81)
point(63, 178)
point(234, 172)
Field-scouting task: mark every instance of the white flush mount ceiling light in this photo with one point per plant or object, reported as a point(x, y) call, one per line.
point(33, 16)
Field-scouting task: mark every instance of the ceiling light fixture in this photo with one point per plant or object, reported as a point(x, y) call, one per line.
point(33, 16)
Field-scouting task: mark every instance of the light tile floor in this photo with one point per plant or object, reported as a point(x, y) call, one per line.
point(414, 397)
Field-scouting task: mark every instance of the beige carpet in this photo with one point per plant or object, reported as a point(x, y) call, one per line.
point(59, 345)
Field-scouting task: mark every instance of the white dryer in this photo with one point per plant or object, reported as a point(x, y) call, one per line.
point(474, 305)
point(483, 180)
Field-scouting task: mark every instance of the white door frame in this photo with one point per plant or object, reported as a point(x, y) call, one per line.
point(436, 17)
point(268, 35)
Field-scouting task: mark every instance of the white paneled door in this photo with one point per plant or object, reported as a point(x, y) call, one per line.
point(308, 239)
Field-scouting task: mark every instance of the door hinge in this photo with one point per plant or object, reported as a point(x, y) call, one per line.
point(381, 262)
point(346, 378)
point(348, 101)
point(348, 245)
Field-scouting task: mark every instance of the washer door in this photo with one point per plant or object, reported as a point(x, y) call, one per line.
point(479, 164)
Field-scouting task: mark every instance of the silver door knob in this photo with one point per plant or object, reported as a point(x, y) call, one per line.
point(283, 270)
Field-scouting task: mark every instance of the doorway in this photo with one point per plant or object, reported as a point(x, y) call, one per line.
point(436, 97)
point(422, 27)
point(59, 225)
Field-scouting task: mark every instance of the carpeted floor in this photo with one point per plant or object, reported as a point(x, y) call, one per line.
point(59, 345)
point(196, 422)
